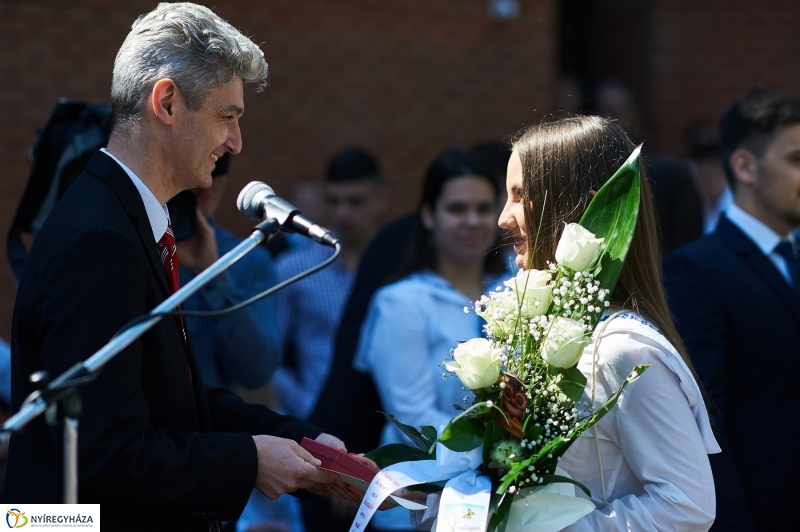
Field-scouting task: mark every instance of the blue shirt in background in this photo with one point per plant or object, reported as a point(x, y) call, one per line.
point(309, 312)
point(241, 348)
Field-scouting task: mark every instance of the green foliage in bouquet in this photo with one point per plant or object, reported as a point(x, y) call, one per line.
point(528, 406)
point(612, 215)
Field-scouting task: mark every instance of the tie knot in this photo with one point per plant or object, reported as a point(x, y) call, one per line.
point(168, 238)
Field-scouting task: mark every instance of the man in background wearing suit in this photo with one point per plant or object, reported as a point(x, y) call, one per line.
point(735, 297)
point(157, 449)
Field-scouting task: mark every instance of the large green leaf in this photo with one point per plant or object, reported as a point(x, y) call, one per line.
point(612, 215)
point(413, 434)
point(393, 453)
point(463, 434)
point(582, 427)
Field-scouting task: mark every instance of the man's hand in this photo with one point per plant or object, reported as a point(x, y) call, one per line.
point(200, 251)
point(331, 441)
point(337, 489)
point(284, 467)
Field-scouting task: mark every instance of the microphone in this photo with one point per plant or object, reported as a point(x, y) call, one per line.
point(259, 202)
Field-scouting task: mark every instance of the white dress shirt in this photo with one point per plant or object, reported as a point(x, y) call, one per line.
point(156, 213)
point(762, 236)
point(711, 215)
point(654, 444)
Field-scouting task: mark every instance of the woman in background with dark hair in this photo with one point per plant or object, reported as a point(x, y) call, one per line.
point(414, 322)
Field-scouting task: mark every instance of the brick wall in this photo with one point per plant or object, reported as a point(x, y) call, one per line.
point(688, 60)
point(706, 54)
point(404, 78)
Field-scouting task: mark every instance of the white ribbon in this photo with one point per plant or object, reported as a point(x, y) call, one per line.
point(391, 479)
point(448, 464)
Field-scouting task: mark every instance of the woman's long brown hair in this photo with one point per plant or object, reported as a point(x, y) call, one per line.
point(563, 163)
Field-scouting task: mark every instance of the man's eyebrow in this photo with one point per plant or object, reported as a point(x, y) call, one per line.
point(232, 108)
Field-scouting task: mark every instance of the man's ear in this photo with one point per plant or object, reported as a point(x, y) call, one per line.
point(163, 100)
point(427, 217)
point(745, 166)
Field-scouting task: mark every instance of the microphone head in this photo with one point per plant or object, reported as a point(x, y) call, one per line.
point(246, 205)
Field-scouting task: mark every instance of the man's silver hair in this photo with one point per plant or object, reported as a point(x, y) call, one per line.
point(188, 44)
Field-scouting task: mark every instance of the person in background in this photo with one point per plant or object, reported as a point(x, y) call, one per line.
point(241, 348)
point(414, 322)
point(349, 390)
point(5, 406)
point(5, 375)
point(569, 96)
point(492, 157)
point(735, 295)
point(309, 310)
point(708, 172)
point(678, 208)
point(307, 196)
point(614, 99)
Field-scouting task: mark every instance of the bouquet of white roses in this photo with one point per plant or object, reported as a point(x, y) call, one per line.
point(527, 408)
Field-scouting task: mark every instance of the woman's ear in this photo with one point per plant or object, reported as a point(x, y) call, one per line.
point(427, 218)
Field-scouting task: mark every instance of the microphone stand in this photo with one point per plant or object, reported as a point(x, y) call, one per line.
point(60, 399)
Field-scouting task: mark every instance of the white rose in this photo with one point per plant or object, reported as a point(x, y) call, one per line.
point(533, 290)
point(476, 364)
point(565, 343)
point(578, 249)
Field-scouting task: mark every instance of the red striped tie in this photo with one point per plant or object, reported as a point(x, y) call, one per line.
point(169, 260)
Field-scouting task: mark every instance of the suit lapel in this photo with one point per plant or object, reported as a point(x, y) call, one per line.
point(759, 264)
point(105, 168)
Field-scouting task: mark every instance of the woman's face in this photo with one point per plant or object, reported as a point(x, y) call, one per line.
point(512, 218)
point(463, 220)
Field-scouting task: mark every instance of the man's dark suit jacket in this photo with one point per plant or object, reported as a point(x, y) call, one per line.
point(740, 320)
point(147, 452)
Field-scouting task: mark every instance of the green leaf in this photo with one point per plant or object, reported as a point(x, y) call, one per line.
point(430, 454)
point(413, 434)
point(494, 433)
point(555, 479)
point(499, 518)
point(429, 433)
point(532, 431)
point(393, 453)
point(572, 383)
point(463, 434)
point(582, 427)
point(612, 215)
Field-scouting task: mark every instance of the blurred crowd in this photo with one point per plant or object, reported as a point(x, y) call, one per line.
point(367, 334)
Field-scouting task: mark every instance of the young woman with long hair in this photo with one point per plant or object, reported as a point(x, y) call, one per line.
point(646, 462)
point(414, 322)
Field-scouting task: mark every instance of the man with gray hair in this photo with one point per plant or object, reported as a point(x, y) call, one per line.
point(157, 449)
